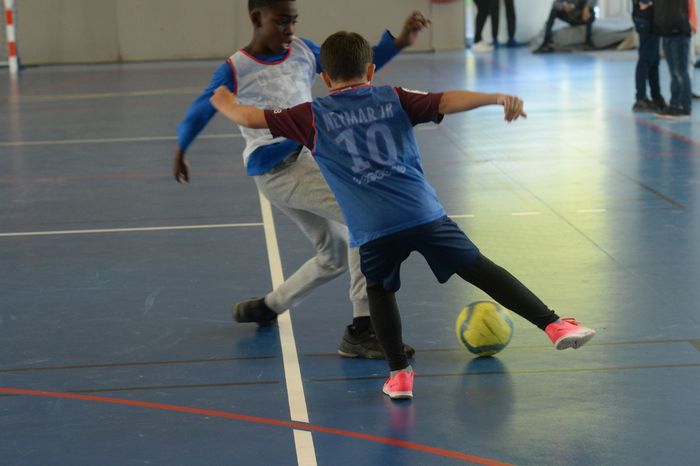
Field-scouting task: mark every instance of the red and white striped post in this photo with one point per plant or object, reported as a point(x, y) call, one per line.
point(11, 36)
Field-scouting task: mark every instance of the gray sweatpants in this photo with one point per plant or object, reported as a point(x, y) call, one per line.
point(298, 189)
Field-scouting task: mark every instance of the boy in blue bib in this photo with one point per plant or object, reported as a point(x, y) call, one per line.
point(362, 138)
point(277, 69)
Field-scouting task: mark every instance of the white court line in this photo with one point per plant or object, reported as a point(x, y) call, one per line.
point(103, 95)
point(56, 142)
point(208, 227)
point(590, 211)
point(127, 230)
point(306, 454)
point(523, 214)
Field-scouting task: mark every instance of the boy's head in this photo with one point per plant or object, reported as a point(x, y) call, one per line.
point(273, 23)
point(346, 57)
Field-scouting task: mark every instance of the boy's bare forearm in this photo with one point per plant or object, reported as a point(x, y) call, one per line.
point(244, 115)
point(461, 101)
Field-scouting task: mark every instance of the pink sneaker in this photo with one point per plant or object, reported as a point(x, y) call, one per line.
point(567, 333)
point(399, 386)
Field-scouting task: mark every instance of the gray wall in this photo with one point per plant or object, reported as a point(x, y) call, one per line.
point(90, 31)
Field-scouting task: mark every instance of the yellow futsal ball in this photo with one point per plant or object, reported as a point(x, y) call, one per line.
point(484, 328)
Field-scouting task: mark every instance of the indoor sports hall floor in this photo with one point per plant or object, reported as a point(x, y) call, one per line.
point(116, 340)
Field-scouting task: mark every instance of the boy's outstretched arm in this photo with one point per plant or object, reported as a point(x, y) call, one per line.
point(198, 116)
point(461, 101)
point(245, 115)
point(415, 23)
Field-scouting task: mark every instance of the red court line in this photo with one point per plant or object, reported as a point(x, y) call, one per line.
point(658, 128)
point(262, 420)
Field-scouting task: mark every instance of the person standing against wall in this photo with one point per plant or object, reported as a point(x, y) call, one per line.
point(647, 69)
point(510, 20)
point(484, 9)
point(692, 64)
point(675, 21)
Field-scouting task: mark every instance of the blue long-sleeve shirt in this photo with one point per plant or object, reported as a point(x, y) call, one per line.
point(201, 111)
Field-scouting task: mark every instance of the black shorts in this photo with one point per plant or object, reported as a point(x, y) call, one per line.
point(443, 244)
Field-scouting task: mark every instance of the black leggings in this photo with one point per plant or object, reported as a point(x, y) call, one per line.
point(496, 281)
point(510, 18)
point(484, 9)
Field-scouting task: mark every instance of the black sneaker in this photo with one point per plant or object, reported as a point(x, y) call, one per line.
point(544, 48)
point(365, 345)
point(645, 106)
point(659, 103)
point(673, 113)
point(254, 310)
point(512, 43)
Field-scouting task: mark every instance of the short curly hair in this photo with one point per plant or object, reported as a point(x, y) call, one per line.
point(255, 4)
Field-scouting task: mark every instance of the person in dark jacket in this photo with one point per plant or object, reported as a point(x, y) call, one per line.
point(675, 21)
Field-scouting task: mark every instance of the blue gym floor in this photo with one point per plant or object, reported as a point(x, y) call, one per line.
point(117, 344)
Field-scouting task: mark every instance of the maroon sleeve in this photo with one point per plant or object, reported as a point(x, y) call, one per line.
point(421, 107)
point(294, 123)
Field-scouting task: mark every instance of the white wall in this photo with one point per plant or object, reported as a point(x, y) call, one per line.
point(66, 30)
point(158, 29)
point(87, 31)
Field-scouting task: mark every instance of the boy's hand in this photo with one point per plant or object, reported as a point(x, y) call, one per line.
point(586, 14)
point(221, 97)
point(180, 167)
point(414, 24)
point(512, 107)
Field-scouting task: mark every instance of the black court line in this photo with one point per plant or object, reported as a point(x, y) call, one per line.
point(89, 76)
point(166, 387)
point(121, 140)
point(515, 372)
point(130, 364)
point(116, 176)
point(638, 121)
point(646, 187)
point(695, 343)
point(452, 137)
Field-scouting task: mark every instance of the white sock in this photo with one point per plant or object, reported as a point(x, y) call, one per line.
point(408, 369)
